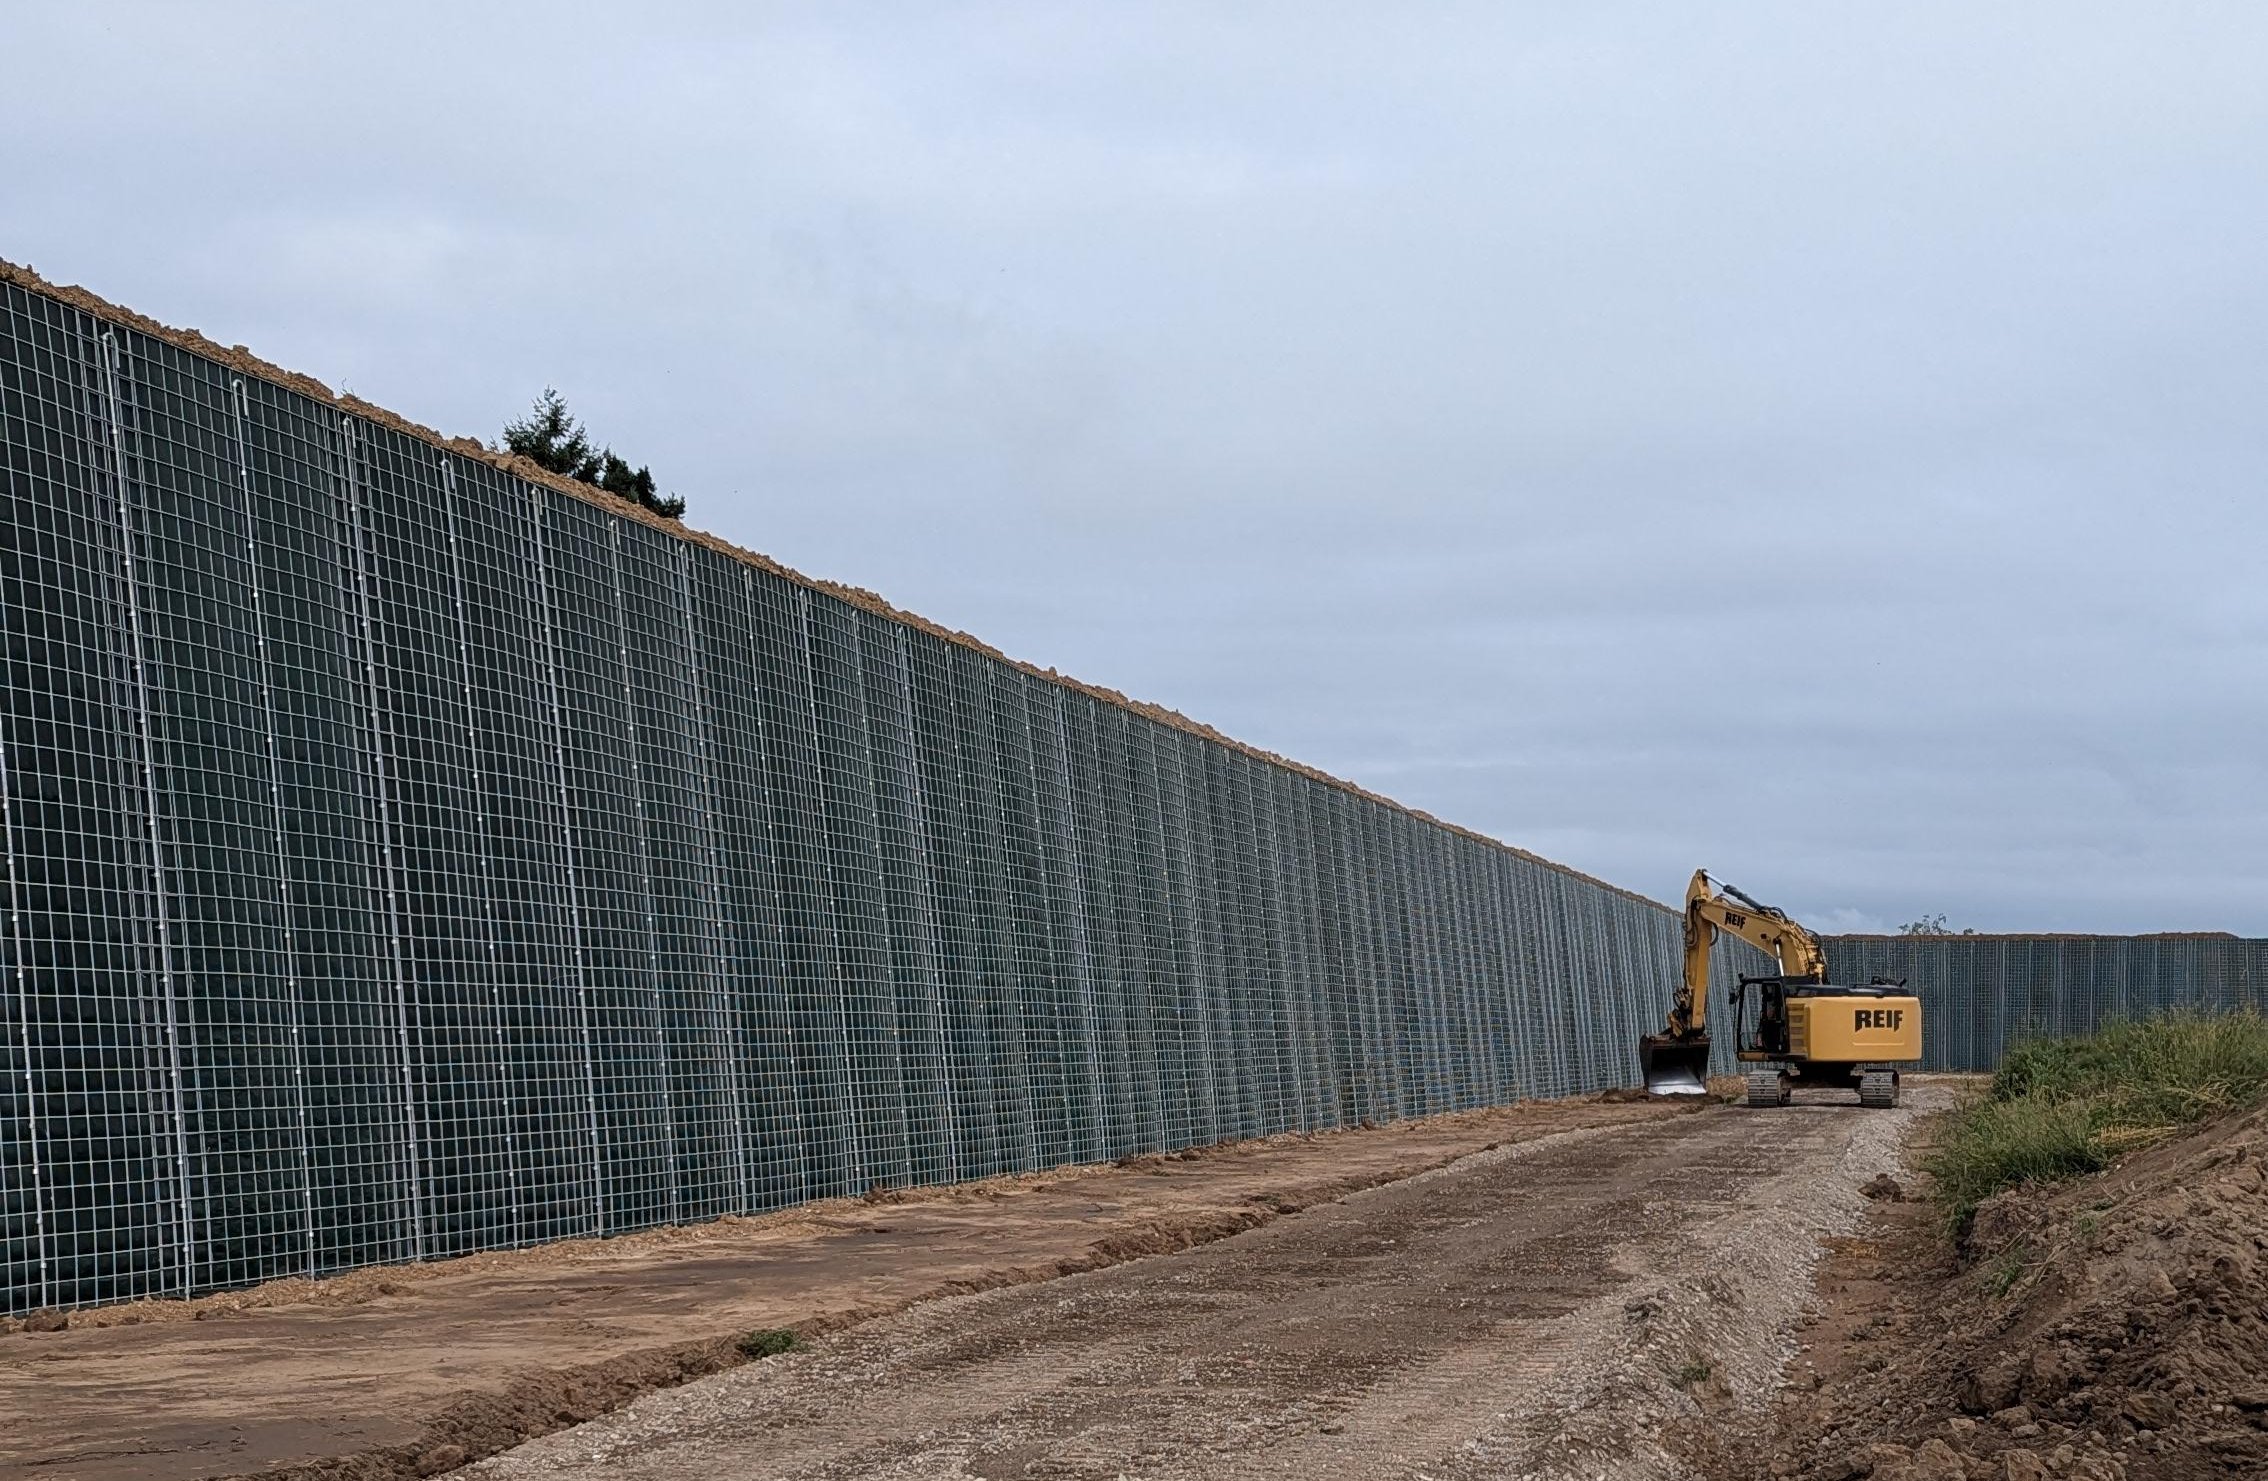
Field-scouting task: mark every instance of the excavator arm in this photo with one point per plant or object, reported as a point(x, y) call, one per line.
point(1675, 1062)
point(1710, 908)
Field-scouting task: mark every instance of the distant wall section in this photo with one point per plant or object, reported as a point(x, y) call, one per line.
point(1982, 994)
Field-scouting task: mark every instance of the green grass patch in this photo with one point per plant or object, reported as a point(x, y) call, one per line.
point(2059, 1108)
point(769, 1342)
point(1997, 1144)
point(1696, 1370)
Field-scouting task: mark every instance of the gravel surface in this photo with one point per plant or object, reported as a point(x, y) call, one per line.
point(1539, 1310)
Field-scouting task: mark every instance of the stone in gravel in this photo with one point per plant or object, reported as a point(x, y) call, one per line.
point(47, 1321)
point(2049, 1377)
point(1937, 1461)
point(440, 1458)
point(1996, 1387)
point(2022, 1465)
point(2012, 1416)
point(2150, 1411)
point(1885, 1189)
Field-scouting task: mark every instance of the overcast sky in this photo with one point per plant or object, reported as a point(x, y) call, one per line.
point(1821, 443)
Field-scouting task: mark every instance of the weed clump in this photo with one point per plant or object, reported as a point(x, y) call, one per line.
point(769, 1342)
point(2060, 1108)
point(2008, 1269)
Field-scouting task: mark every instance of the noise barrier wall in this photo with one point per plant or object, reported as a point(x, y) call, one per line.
point(404, 858)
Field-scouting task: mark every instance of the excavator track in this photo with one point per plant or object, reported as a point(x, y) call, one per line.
point(1878, 1089)
point(1769, 1088)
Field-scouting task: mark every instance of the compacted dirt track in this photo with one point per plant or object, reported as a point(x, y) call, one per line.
point(1544, 1309)
point(395, 1372)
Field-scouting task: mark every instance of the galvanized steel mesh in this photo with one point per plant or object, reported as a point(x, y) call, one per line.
point(1982, 994)
point(404, 859)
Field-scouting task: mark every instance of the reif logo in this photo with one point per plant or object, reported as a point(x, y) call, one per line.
point(1883, 1018)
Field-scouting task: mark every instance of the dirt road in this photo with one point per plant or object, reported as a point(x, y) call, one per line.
point(386, 1373)
point(1543, 1309)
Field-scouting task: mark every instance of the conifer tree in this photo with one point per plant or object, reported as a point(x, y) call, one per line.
point(550, 436)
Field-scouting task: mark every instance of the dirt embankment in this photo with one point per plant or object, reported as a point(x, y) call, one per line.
point(2110, 1329)
point(407, 1370)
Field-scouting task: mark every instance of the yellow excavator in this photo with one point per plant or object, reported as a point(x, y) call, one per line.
point(1807, 1031)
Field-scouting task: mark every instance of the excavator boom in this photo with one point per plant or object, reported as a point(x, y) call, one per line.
point(1676, 1061)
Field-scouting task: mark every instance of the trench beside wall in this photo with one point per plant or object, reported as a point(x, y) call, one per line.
point(404, 859)
point(1982, 994)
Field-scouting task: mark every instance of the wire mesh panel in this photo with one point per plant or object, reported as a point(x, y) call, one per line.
point(427, 784)
point(526, 929)
point(1515, 1076)
point(90, 1175)
point(187, 532)
point(1070, 961)
point(1305, 978)
point(903, 855)
point(1330, 956)
point(1220, 1060)
point(873, 1098)
point(758, 957)
point(682, 900)
point(1028, 999)
point(404, 859)
point(1260, 926)
point(1982, 995)
point(996, 1060)
point(335, 888)
point(813, 984)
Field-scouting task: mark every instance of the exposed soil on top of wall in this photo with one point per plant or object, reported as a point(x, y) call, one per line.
point(2110, 1329)
point(239, 358)
point(1913, 938)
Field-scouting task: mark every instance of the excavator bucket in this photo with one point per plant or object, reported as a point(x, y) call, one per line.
point(1674, 1066)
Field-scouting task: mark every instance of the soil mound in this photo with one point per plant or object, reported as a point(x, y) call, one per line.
point(2112, 1327)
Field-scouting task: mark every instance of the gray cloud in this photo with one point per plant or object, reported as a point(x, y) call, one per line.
point(1822, 446)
